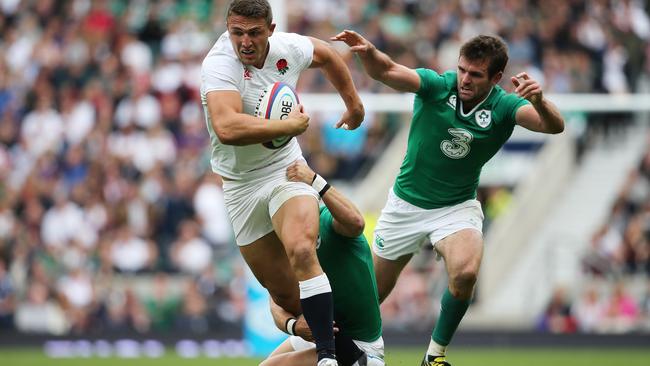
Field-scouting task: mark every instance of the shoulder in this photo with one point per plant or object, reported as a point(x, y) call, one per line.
point(507, 103)
point(221, 53)
point(449, 78)
point(291, 42)
point(434, 84)
point(507, 100)
point(293, 47)
point(221, 69)
point(290, 39)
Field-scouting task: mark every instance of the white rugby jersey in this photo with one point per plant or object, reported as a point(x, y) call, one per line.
point(289, 54)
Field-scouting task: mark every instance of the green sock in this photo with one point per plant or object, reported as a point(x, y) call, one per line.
point(452, 311)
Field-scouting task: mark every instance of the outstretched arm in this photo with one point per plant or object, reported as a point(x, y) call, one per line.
point(379, 65)
point(233, 127)
point(541, 115)
point(348, 221)
point(335, 70)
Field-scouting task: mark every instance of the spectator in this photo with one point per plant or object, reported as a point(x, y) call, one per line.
point(190, 253)
point(162, 306)
point(194, 311)
point(621, 311)
point(645, 308)
point(589, 311)
point(7, 298)
point(557, 318)
point(39, 313)
point(211, 212)
point(129, 253)
point(77, 294)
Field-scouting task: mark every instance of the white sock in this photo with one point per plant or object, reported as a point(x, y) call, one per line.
point(314, 286)
point(435, 349)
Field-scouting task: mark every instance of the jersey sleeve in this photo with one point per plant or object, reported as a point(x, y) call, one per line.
point(220, 72)
point(431, 83)
point(303, 48)
point(512, 103)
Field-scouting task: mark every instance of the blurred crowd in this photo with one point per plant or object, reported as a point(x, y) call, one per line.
point(613, 307)
point(621, 245)
point(616, 297)
point(104, 154)
point(569, 45)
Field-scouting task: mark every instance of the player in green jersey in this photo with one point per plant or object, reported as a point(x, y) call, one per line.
point(461, 118)
point(345, 256)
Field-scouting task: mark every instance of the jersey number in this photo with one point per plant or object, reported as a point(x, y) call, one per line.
point(458, 147)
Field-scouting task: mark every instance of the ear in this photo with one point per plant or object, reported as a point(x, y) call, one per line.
point(496, 78)
point(271, 28)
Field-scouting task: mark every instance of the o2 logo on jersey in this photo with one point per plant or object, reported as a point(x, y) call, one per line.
point(458, 147)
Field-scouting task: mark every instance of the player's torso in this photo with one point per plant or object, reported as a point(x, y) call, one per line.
point(282, 63)
point(447, 146)
point(348, 264)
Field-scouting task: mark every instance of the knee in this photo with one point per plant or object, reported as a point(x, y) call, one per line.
point(462, 283)
point(301, 253)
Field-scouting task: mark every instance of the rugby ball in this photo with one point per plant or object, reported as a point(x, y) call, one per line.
point(275, 102)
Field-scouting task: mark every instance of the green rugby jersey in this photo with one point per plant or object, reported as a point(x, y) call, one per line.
point(348, 264)
point(447, 148)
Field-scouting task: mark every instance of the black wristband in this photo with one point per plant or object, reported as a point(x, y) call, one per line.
point(290, 328)
point(324, 190)
point(314, 178)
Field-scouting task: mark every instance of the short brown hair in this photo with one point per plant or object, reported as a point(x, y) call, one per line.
point(251, 9)
point(490, 48)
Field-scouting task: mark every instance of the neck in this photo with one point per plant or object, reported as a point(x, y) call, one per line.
point(470, 104)
point(467, 106)
point(260, 64)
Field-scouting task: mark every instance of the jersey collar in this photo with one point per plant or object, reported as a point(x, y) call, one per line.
point(465, 115)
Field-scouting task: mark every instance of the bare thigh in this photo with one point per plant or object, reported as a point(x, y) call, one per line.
point(386, 272)
point(269, 263)
point(284, 347)
point(296, 225)
point(462, 252)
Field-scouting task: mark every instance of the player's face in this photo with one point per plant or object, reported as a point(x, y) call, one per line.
point(250, 38)
point(474, 82)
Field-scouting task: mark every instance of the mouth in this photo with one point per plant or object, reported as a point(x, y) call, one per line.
point(247, 53)
point(465, 90)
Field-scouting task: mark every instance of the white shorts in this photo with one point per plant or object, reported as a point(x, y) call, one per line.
point(252, 203)
point(374, 349)
point(403, 228)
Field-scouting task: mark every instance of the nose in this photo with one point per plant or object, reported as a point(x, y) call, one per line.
point(465, 79)
point(246, 41)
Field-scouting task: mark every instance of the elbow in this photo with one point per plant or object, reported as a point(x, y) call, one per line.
point(558, 129)
point(379, 76)
point(225, 135)
point(357, 225)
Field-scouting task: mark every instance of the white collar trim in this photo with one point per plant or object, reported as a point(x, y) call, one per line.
point(475, 107)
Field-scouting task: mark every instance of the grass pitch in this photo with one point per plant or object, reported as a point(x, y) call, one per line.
point(394, 357)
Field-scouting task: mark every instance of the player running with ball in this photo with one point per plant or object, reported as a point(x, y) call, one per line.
point(461, 118)
point(275, 221)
